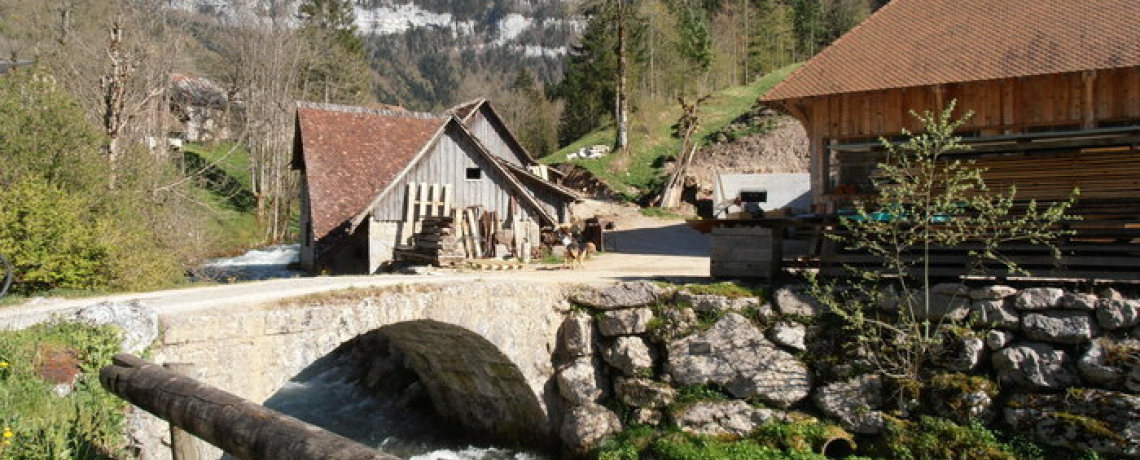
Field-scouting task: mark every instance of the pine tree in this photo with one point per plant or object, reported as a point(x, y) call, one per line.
point(338, 70)
point(586, 88)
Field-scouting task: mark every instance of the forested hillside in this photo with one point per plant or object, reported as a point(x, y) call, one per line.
point(92, 126)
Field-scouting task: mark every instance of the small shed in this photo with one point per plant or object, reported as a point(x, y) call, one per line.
point(757, 193)
point(371, 177)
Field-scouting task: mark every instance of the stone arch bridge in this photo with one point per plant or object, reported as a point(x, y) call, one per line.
point(484, 350)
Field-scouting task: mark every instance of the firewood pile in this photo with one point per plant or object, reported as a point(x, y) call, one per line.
point(437, 244)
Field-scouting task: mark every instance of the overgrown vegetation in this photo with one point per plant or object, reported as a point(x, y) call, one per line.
point(924, 198)
point(85, 424)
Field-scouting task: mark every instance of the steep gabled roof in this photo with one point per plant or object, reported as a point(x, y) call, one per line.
point(911, 43)
point(480, 149)
point(523, 173)
point(466, 113)
point(351, 153)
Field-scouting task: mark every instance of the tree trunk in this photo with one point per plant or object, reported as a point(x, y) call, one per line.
point(621, 115)
point(239, 427)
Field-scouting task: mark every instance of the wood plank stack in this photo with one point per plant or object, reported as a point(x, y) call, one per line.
point(437, 243)
point(742, 252)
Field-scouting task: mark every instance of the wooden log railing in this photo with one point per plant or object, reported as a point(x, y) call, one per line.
point(241, 428)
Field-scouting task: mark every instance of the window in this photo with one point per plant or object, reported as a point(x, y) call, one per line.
point(474, 174)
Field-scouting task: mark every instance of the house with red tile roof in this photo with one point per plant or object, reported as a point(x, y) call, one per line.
point(1053, 85)
point(369, 176)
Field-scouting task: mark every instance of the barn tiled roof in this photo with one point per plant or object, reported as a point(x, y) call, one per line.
point(924, 42)
point(351, 154)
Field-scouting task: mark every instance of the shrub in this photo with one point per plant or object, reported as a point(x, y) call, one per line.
point(88, 423)
point(49, 238)
point(932, 438)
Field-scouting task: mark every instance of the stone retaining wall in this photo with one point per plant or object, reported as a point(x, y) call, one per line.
point(1061, 367)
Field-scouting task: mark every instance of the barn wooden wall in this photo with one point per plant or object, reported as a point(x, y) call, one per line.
point(1067, 101)
point(494, 137)
point(447, 163)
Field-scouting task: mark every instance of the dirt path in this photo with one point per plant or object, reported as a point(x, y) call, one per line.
point(646, 248)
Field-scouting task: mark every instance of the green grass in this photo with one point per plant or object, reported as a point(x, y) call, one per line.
point(662, 213)
point(85, 424)
point(226, 187)
point(727, 289)
point(651, 137)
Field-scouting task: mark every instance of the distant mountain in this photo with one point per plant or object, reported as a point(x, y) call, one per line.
point(430, 54)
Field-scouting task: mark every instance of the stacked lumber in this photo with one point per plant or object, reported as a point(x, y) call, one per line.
point(437, 243)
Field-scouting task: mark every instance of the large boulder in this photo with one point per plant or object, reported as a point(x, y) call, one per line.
point(735, 355)
point(1035, 366)
point(855, 403)
point(625, 322)
point(630, 355)
point(1105, 363)
point(1039, 298)
point(722, 418)
point(994, 313)
point(621, 295)
point(962, 354)
point(586, 425)
point(1104, 421)
point(797, 303)
point(1063, 326)
point(716, 303)
point(1118, 314)
point(578, 335)
point(582, 382)
point(138, 322)
point(644, 393)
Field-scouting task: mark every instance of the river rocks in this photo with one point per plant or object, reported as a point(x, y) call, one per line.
point(586, 425)
point(948, 303)
point(577, 335)
point(621, 295)
point(963, 354)
point(855, 403)
point(1104, 421)
point(1035, 366)
point(789, 334)
point(994, 292)
point(994, 313)
point(1060, 326)
point(717, 303)
point(625, 322)
point(797, 303)
point(644, 393)
point(1038, 298)
point(722, 418)
point(734, 355)
point(630, 355)
point(138, 323)
point(1117, 314)
point(1078, 301)
point(581, 382)
point(997, 340)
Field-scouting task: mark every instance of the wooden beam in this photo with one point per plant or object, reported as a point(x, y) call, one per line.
point(1088, 99)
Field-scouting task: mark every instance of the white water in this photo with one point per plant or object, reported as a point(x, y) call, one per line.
point(327, 399)
point(265, 263)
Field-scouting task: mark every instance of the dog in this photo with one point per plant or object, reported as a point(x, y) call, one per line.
point(575, 253)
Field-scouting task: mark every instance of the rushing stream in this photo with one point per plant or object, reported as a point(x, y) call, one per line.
point(264, 263)
point(326, 395)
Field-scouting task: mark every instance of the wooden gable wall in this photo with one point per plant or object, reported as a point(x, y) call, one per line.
point(1079, 100)
point(496, 137)
point(447, 163)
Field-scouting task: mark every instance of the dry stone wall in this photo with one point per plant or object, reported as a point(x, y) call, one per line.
point(1060, 366)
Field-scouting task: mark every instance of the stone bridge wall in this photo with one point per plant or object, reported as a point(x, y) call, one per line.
point(488, 339)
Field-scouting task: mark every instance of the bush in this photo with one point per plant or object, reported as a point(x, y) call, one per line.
point(49, 238)
point(39, 424)
point(933, 438)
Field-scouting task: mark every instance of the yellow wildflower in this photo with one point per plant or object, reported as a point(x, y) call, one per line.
point(3, 364)
point(8, 433)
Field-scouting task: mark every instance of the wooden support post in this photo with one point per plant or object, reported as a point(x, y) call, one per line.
point(241, 428)
point(1088, 99)
point(183, 445)
point(434, 200)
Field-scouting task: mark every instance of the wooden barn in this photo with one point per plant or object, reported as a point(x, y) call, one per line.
point(1055, 90)
point(373, 179)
